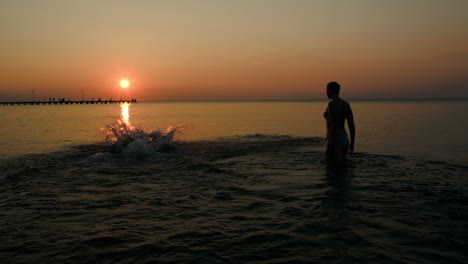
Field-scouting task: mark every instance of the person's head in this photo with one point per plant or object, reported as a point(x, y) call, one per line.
point(333, 89)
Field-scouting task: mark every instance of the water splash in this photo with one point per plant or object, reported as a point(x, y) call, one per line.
point(127, 139)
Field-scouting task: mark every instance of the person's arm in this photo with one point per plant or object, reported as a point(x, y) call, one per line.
point(352, 129)
point(327, 121)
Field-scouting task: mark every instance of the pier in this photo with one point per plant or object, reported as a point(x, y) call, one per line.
point(69, 102)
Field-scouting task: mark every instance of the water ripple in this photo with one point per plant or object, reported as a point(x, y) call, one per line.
point(259, 200)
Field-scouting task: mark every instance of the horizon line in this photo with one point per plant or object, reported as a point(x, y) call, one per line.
point(288, 100)
point(308, 100)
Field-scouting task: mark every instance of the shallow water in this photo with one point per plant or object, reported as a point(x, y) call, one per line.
point(259, 198)
point(253, 199)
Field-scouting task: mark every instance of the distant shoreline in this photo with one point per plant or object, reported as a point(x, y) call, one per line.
point(313, 100)
point(298, 100)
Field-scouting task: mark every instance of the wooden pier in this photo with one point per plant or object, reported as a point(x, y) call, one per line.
point(69, 102)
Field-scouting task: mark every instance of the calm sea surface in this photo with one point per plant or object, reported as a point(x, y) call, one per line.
point(241, 182)
point(436, 130)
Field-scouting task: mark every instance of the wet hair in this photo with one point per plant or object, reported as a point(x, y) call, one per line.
point(333, 87)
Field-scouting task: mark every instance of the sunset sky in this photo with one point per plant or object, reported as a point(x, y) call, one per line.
point(233, 50)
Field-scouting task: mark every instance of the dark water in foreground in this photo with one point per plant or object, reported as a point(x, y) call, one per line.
point(252, 199)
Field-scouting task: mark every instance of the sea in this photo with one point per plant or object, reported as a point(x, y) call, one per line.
point(233, 182)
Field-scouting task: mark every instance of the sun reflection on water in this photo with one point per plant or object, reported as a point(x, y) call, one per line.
point(125, 113)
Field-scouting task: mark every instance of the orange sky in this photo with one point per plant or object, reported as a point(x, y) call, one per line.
point(220, 50)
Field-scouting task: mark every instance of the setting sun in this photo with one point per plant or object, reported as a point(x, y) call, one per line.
point(124, 83)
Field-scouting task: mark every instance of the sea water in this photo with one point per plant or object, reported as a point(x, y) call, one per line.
point(429, 129)
point(232, 182)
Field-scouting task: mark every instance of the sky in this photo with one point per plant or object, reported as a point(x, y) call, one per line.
point(233, 50)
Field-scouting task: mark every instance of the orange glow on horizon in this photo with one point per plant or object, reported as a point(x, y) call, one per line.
point(371, 50)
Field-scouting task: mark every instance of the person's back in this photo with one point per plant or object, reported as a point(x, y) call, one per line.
point(337, 112)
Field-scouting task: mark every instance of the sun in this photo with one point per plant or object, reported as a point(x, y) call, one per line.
point(124, 83)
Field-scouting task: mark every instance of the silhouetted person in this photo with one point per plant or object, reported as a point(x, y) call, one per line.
point(338, 110)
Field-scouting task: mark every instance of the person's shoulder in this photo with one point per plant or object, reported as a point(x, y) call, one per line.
point(346, 103)
point(348, 110)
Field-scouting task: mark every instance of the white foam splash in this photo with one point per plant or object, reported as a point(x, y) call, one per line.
point(128, 139)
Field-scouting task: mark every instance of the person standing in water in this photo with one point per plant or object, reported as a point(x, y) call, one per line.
point(338, 110)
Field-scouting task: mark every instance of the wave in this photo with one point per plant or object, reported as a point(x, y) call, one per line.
point(124, 138)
